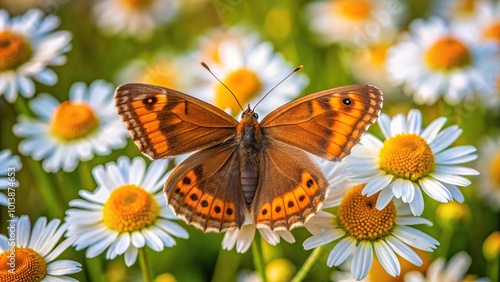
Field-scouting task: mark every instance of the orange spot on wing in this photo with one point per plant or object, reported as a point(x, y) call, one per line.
point(278, 209)
point(291, 205)
point(265, 213)
point(308, 184)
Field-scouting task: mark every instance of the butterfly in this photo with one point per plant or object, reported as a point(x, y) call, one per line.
point(243, 169)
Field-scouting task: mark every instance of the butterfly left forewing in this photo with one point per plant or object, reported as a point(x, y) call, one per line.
point(205, 190)
point(164, 122)
point(291, 188)
point(327, 123)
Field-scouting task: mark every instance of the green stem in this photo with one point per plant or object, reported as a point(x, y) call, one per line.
point(145, 266)
point(86, 178)
point(226, 266)
point(47, 191)
point(258, 259)
point(306, 267)
point(94, 269)
point(444, 241)
point(492, 269)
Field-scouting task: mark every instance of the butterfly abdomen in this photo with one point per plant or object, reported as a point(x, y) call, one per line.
point(249, 138)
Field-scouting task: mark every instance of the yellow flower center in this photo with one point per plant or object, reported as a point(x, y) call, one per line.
point(378, 53)
point(491, 246)
point(130, 208)
point(453, 212)
point(72, 121)
point(244, 83)
point(359, 216)
point(137, 4)
point(160, 73)
point(357, 10)
point(493, 32)
point(15, 50)
point(24, 264)
point(495, 169)
point(447, 53)
point(407, 156)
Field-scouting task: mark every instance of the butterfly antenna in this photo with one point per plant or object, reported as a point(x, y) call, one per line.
point(294, 71)
point(208, 69)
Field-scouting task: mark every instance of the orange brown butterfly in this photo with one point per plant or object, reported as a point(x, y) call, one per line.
point(247, 168)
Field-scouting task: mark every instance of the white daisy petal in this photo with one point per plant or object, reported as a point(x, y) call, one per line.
point(341, 251)
point(377, 184)
point(131, 255)
point(321, 239)
point(404, 251)
point(435, 190)
point(362, 260)
point(387, 258)
point(63, 267)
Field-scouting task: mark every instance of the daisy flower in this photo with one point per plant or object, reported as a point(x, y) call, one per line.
point(359, 230)
point(485, 25)
point(412, 159)
point(28, 45)
point(250, 71)
point(164, 69)
point(9, 166)
point(134, 17)
point(437, 60)
point(453, 271)
point(72, 131)
point(32, 253)
point(489, 167)
point(355, 22)
point(127, 211)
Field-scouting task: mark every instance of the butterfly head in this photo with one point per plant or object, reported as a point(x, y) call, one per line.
point(249, 128)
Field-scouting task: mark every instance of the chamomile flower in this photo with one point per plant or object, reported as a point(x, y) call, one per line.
point(127, 211)
point(250, 71)
point(31, 253)
point(136, 18)
point(164, 69)
point(65, 133)
point(453, 271)
point(28, 46)
point(9, 166)
point(437, 60)
point(485, 25)
point(412, 159)
point(360, 230)
point(354, 22)
point(489, 167)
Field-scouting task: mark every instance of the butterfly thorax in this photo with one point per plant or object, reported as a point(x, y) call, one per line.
point(249, 138)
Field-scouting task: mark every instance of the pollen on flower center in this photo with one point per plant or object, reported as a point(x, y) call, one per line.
point(72, 121)
point(495, 169)
point(493, 32)
point(407, 156)
point(447, 53)
point(15, 50)
point(30, 266)
point(137, 4)
point(244, 83)
point(360, 218)
point(130, 208)
point(357, 10)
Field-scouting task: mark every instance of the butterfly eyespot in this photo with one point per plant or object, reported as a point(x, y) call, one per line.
point(186, 181)
point(347, 101)
point(278, 209)
point(193, 197)
point(217, 209)
point(290, 204)
point(264, 211)
point(309, 183)
point(256, 115)
point(149, 100)
point(229, 211)
point(177, 190)
point(204, 203)
point(302, 198)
